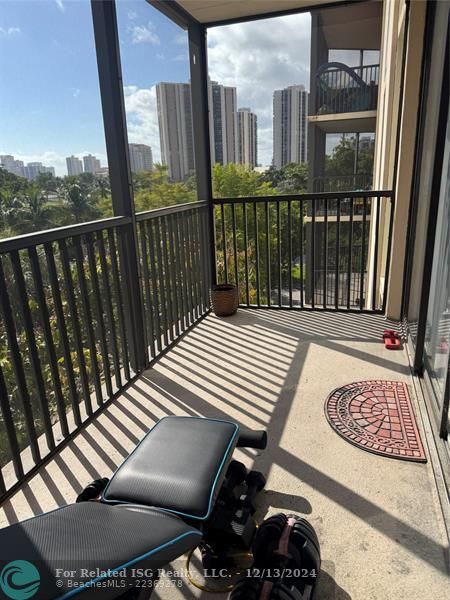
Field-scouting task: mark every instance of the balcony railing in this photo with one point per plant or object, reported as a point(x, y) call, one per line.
point(306, 251)
point(343, 89)
point(70, 343)
point(67, 342)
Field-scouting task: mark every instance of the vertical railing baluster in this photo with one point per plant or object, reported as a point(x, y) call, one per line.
point(161, 282)
point(98, 312)
point(75, 322)
point(109, 309)
point(62, 331)
point(325, 254)
point(363, 243)
point(18, 367)
point(257, 273)
point(278, 212)
point(388, 254)
point(235, 249)
point(269, 283)
point(154, 302)
point(47, 332)
point(10, 428)
point(245, 224)
point(173, 272)
point(145, 286)
point(207, 256)
point(224, 242)
point(182, 268)
point(35, 362)
point(350, 254)
point(87, 316)
point(375, 257)
point(119, 302)
point(301, 211)
point(187, 263)
point(191, 267)
point(167, 279)
point(338, 251)
point(313, 253)
point(196, 261)
point(289, 229)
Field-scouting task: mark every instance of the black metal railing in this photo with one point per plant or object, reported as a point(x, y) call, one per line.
point(175, 271)
point(66, 341)
point(343, 89)
point(328, 251)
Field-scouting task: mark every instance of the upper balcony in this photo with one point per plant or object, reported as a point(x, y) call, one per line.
point(346, 98)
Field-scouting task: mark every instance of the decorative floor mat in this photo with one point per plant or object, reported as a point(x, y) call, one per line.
point(376, 416)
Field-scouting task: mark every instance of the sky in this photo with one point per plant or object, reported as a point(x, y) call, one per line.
point(49, 95)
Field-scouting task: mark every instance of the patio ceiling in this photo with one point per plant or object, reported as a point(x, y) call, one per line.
point(212, 11)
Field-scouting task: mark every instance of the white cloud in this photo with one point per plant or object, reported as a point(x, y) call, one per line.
point(132, 15)
point(143, 34)
point(259, 57)
point(76, 92)
point(9, 30)
point(60, 5)
point(142, 117)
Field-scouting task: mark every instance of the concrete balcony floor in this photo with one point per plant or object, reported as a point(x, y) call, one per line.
point(378, 520)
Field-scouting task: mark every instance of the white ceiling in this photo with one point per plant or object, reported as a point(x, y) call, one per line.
point(209, 11)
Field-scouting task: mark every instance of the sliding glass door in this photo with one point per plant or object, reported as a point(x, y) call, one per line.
point(437, 332)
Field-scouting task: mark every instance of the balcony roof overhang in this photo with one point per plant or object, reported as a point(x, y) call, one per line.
point(353, 27)
point(352, 122)
point(222, 12)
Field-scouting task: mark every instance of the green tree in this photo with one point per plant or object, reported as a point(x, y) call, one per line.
point(34, 213)
point(80, 199)
point(290, 179)
point(232, 181)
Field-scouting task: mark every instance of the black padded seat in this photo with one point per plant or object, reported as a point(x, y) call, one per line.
point(179, 466)
point(99, 538)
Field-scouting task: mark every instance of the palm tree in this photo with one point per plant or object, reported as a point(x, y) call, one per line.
point(34, 214)
point(80, 201)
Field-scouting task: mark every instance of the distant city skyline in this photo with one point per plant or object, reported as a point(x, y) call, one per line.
point(40, 127)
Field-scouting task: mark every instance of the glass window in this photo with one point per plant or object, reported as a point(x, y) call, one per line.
point(437, 342)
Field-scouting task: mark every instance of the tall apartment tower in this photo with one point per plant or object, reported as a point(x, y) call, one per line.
point(74, 165)
point(91, 164)
point(9, 163)
point(246, 138)
point(141, 158)
point(175, 128)
point(222, 123)
point(290, 126)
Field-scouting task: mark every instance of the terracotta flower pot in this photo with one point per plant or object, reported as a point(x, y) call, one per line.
point(224, 299)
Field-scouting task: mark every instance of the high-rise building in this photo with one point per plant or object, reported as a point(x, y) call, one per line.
point(222, 123)
point(290, 125)
point(141, 158)
point(10, 164)
point(33, 169)
point(175, 128)
point(246, 138)
point(74, 165)
point(91, 164)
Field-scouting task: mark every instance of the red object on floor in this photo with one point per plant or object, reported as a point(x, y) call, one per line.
point(391, 339)
point(376, 416)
